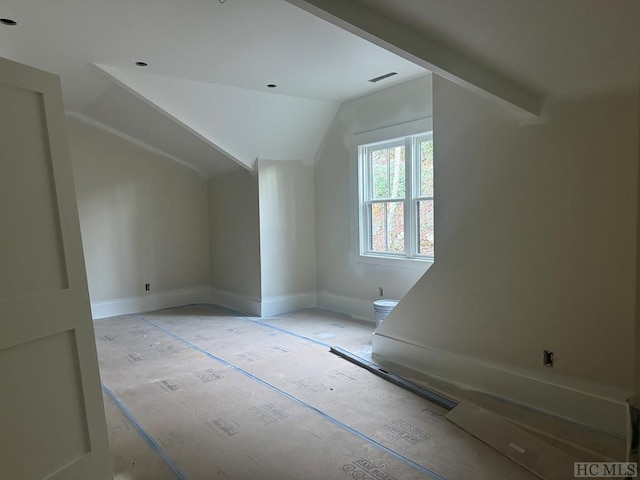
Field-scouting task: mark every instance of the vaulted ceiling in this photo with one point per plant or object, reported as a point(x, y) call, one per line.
point(521, 53)
point(203, 98)
point(552, 47)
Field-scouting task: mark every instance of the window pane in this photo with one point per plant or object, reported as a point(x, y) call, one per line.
point(395, 227)
point(387, 227)
point(380, 174)
point(396, 172)
point(378, 222)
point(425, 227)
point(426, 169)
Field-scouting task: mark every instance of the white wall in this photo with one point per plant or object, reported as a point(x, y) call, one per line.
point(143, 220)
point(535, 242)
point(235, 241)
point(344, 284)
point(287, 236)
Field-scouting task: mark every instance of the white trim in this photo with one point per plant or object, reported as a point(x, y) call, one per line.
point(241, 303)
point(151, 301)
point(418, 263)
point(207, 295)
point(354, 307)
point(288, 303)
point(138, 143)
point(393, 132)
point(600, 407)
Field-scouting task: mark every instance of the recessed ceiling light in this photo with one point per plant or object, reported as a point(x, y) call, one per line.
point(142, 64)
point(382, 77)
point(272, 85)
point(8, 21)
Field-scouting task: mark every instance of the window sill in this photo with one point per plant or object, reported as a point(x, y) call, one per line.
point(396, 262)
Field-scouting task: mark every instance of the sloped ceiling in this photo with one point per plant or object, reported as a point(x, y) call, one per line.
point(553, 47)
point(243, 124)
point(203, 98)
point(120, 110)
point(521, 53)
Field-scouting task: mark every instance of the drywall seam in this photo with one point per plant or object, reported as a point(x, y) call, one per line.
point(234, 301)
point(287, 303)
point(601, 410)
point(138, 143)
point(151, 301)
point(144, 434)
point(354, 307)
point(324, 415)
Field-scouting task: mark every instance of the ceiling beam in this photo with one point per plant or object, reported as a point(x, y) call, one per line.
point(418, 48)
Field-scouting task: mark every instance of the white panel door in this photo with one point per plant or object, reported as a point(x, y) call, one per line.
point(52, 422)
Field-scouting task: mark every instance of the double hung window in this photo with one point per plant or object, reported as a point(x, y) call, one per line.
point(396, 206)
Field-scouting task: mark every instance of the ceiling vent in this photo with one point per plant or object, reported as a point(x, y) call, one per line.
point(382, 77)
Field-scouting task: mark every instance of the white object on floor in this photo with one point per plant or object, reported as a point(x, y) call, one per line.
point(382, 308)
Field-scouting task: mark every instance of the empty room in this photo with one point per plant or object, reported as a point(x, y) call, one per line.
point(319, 239)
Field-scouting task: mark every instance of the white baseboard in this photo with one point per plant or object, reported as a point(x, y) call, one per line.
point(203, 294)
point(151, 301)
point(288, 303)
point(354, 307)
point(600, 407)
point(234, 301)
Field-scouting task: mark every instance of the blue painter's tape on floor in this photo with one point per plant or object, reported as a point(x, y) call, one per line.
point(268, 325)
point(273, 327)
point(329, 418)
point(143, 433)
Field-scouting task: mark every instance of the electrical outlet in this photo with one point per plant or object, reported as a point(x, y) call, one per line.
point(547, 358)
point(380, 291)
point(147, 287)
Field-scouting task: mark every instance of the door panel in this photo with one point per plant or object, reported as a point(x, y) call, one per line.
point(52, 374)
point(52, 424)
point(31, 257)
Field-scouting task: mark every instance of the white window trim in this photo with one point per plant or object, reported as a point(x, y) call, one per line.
point(386, 135)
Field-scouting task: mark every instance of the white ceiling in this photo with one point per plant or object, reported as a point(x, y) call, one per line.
point(209, 64)
point(244, 124)
point(119, 110)
point(203, 98)
point(554, 47)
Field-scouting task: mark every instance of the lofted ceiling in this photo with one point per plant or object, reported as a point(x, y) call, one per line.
point(553, 47)
point(521, 53)
point(203, 98)
point(209, 64)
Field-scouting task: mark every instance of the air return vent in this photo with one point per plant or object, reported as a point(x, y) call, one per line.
point(382, 77)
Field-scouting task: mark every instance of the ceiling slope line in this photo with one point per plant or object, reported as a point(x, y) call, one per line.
point(103, 69)
point(418, 48)
point(138, 143)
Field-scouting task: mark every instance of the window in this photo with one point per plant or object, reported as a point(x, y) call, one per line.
point(395, 178)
